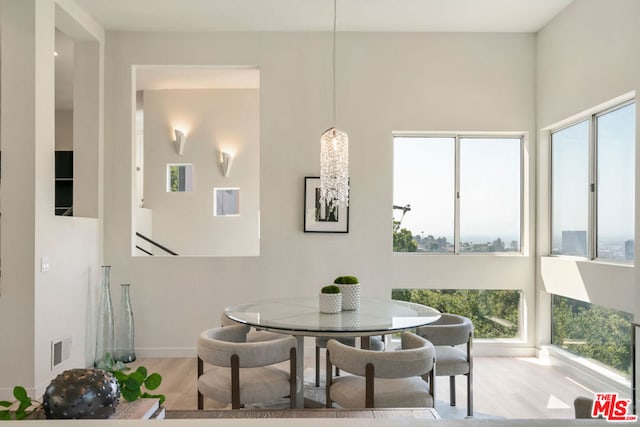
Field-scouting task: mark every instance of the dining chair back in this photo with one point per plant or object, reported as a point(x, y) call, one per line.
point(241, 371)
point(375, 343)
point(382, 379)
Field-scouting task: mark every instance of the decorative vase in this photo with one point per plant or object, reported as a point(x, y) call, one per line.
point(350, 296)
point(330, 303)
point(81, 393)
point(125, 350)
point(104, 330)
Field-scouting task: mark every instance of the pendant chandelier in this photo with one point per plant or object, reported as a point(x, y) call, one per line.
point(334, 152)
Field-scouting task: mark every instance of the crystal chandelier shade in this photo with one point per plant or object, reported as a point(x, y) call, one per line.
point(334, 168)
point(334, 151)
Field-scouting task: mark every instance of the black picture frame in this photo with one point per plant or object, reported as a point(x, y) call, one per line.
point(317, 218)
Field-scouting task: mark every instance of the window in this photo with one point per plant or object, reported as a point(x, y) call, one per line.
point(457, 194)
point(593, 186)
point(593, 332)
point(494, 313)
point(179, 178)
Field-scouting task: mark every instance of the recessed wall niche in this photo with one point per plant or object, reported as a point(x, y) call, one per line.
point(179, 177)
point(226, 201)
point(218, 109)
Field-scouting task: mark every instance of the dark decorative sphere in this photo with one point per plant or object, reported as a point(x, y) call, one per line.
point(81, 393)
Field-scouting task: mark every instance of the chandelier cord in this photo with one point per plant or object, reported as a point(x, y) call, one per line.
point(335, 15)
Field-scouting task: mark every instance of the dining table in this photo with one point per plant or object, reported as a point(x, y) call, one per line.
point(301, 317)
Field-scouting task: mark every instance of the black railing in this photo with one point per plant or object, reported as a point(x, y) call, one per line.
point(156, 244)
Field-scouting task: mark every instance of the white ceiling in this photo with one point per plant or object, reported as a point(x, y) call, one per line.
point(317, 15)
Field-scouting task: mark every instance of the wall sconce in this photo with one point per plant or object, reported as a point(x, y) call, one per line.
point(225, 161)
point(181, 139)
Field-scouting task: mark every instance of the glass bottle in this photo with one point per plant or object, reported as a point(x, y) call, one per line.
point(104, 330)
point(125, 351)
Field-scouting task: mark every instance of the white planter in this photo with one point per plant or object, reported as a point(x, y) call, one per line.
point(350, 296)
point(330, 303)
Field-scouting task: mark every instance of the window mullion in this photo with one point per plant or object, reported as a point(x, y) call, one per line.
point(456, 196)
point(593, 191)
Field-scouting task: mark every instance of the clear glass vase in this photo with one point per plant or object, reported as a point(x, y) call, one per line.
point(125, 351)
point(104, 329)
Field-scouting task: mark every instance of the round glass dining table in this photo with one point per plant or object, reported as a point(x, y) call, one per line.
point(301, 317)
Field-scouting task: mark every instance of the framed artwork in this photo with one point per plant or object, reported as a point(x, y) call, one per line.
point(318, 218)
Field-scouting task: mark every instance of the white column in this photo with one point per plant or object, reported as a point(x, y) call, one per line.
point(27, 138)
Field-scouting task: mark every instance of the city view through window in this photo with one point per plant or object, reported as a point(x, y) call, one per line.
point(487, 194)
point(612, 194)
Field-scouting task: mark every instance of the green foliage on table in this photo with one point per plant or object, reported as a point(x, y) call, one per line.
point(330, 289)
point(346, 280)
point(26, 405)
point(131, 385)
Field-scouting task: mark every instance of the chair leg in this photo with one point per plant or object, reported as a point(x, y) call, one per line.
point(200, 370)
point(469, 394)
point(337, 371)
point(329, 379)
point(317, 366)
point(452, 390)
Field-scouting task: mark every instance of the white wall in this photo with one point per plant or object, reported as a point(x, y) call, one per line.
point(586, 56)
point(385, 82)
point(215, 120)
point(37, 307)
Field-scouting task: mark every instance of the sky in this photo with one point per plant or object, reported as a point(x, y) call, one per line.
point(424, 177)
point(490, 182)
point(615, 135)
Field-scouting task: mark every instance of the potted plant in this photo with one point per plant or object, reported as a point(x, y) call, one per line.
point(350, 290)
point(330, 299)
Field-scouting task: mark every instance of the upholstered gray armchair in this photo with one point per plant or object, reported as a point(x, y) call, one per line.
point(227, 350)
point(445, 334)
point(382, 379)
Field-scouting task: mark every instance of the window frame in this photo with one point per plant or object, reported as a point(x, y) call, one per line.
point(457, 136)
point(592, 215)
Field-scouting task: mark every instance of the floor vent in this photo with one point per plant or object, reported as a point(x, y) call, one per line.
point(60, 351)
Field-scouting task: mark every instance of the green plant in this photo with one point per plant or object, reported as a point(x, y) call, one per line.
point(131, 385)
point(330, 289)
point(346, 280)
point(26, 405)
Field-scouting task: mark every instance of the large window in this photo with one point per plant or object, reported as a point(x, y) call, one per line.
point(457, 194)
point(494, 313)
point(592, 185)
point(594, 332)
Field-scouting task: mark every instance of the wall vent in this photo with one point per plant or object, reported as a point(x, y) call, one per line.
point(60, 351)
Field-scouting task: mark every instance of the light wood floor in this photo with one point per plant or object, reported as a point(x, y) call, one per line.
point(504, 387)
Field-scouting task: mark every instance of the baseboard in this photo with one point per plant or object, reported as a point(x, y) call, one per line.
point(166, 352)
